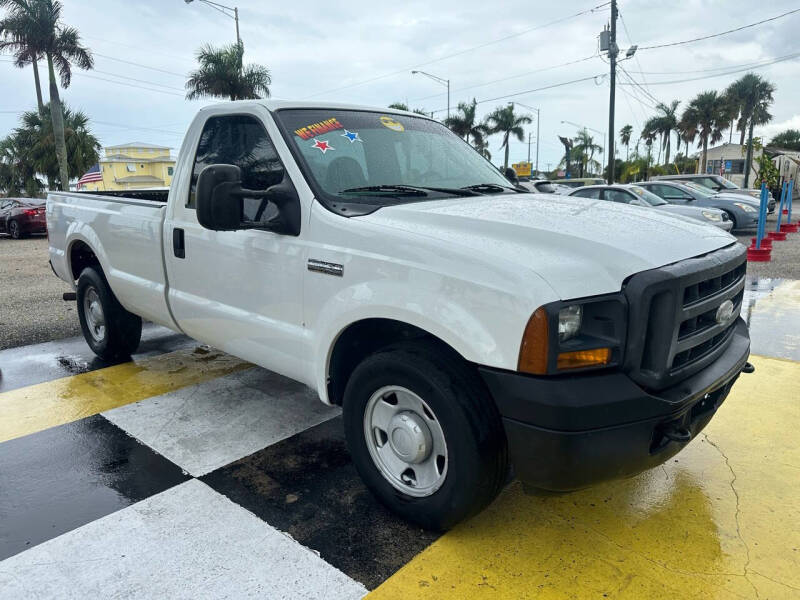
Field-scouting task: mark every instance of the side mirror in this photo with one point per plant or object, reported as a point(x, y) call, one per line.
point(221, 202)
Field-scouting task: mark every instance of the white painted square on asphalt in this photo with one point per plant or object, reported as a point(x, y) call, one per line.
point(206, 426)
point(186, 542)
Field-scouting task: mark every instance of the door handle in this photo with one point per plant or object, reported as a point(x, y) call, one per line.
point(178, 247)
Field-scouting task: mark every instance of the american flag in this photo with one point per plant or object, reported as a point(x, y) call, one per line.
point(91, 175)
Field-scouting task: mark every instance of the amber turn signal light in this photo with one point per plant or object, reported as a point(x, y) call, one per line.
point(533, 349)
point(584, 358)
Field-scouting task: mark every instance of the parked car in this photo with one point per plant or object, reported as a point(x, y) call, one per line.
point(716, 183)
point(461, 324)
point(742, 211)
point(539, 186)
point(637, 196)
point(20, 217)
point(580, 181)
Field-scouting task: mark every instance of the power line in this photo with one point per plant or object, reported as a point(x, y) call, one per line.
point(145, 81)
point(638, 85)
point(732, 72)
point(708, 37)
point(133, 85)
point(461, 52)
point(547, 87)
point(141, 66)
point(470, 87)
point(755, 64)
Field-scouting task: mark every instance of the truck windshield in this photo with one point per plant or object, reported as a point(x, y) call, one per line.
point(380, 158)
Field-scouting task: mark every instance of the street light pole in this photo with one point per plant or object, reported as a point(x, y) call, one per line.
point(225, 10)
point(612, 59)
point(441, 81)
point(538, 119)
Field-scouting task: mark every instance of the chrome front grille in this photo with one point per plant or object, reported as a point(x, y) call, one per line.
point(677, 326)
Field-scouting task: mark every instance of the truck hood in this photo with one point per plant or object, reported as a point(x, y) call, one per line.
point(579, 246)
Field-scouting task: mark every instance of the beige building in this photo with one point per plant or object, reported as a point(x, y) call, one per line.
point(133, 166)
point(728, 160)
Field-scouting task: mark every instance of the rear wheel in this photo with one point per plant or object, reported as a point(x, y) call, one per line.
point(14, 230)
point(111, 331)
point(424, 434)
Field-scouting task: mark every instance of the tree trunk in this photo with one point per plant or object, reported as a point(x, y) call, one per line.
point(38, 83)
point(705, 151)
point(749, 161)
point(666, 151)
point(505, 163)
point(741, 139)
point(58, 127)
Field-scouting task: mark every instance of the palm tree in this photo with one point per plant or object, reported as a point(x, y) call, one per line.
point(222, 75)
point(667, 123)
point(625, 137)
point(464, 124)
point(755, 96)
point(707, 115)
point(13, 32)
point(42, 33)
point(36, 140)
point(583, 149)
point(504, 120)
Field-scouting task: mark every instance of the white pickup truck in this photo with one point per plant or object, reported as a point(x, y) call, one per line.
point(462, 324)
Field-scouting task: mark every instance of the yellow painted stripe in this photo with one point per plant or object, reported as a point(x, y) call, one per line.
point(30, 409)
point(719, 520)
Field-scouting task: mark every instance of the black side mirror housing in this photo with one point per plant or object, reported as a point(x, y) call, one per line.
point(220, 198)
point(511, 175)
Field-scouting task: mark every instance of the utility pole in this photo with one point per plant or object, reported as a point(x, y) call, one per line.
point(612, 59)
point(538, 118)
point(529, 147)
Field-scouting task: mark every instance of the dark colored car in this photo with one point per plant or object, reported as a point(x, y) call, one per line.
point(22, 216)
point(741, 209)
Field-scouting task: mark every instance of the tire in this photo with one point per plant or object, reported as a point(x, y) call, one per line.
point(14, 230)
point(454, 399)
point(733, 220)
point(111, 331)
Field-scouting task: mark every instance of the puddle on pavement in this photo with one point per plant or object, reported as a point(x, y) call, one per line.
point(771, 307)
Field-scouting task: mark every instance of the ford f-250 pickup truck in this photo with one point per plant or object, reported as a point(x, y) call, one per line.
point(461, 323)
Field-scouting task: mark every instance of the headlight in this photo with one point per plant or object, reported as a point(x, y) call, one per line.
point(712, 216)
point(745, 207)
point(579, 334)
point(569, 322)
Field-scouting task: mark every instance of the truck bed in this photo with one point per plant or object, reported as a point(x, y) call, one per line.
point(125, 230)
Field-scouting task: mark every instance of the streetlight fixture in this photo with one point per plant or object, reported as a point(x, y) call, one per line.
point(440, 80)
point(591, 129)
point(538, 116)
point(229, 11)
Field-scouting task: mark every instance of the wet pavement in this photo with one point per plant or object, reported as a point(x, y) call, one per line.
point(186, 460)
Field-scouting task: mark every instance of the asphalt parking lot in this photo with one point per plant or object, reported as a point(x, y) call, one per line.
point(113, 478)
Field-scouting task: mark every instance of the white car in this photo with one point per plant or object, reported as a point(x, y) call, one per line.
point(462, 325)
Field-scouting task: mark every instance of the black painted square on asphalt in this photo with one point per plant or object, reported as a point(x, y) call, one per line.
point(56, 480)
point(308, 487)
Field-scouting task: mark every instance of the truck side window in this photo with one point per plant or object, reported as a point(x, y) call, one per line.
point(619, 196)
point(239, 140)
point(588, 193)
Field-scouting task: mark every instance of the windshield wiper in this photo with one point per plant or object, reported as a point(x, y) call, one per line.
point(410, 190)
point(489, 187)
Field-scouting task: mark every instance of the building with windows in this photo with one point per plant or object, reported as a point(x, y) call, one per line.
point(131, 166)
point(728, 160)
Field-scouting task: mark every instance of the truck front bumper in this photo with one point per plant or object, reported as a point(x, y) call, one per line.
point(568, 432)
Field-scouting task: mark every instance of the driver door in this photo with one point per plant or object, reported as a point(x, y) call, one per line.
point(240, 291)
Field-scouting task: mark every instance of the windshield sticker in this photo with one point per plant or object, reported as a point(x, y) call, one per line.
point(323, 146)
point(352, 136)
point(392, 124)
point(315, 129)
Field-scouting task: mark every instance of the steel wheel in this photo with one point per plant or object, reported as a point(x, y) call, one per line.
point(405, 441)
point(93, 311)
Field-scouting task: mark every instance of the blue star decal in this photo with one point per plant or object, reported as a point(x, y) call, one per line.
point(352, 136)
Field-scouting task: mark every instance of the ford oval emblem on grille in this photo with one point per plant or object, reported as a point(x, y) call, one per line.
point(724, 312)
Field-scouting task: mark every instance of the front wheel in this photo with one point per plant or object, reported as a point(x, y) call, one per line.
point(424, 434)
point(112, 332)
point(733, 220)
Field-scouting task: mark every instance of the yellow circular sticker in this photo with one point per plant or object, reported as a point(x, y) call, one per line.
point(392, 124)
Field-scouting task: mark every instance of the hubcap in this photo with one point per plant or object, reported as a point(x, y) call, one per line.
point(93, 312)
point(405, 441)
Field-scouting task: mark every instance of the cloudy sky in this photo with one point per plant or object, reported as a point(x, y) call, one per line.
point(364, 52)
